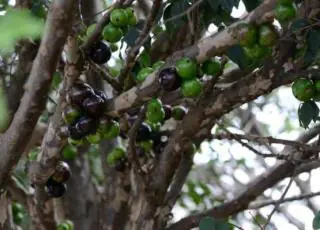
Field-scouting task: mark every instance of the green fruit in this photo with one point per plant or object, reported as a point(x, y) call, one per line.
point(69, 152)
point(317, 85)
point(192, 149)
point(158, 64)
point(94, 138)
point(247, 35)
point(70, 114)
point(256, 52)
point(303, 89)
point(211, 67)
point(70, 224)
point(155, 112)
point(178, 112)
point(186, 68)
point(63, 226)
point(132, 19)
point(129, 11)
point(115, 155)
point(268, 35)
point(113, 47)
point(143, 74)
point(18, 218)
point(285, 13)
point(112, 131)
point(146, 145)
point(191, 88)
point(155, 126)
point(75, 142)
point(17, 208)
point(91, 29)
point(118, 17)
point(112, 33)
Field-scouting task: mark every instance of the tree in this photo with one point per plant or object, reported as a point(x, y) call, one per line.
point(103, 108)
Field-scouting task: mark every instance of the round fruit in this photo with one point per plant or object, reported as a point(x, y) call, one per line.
point(144, 132)
point(317, 85)
point(285, 13)
point(113, 130)
point(74, 133)
point(70, 114)
point(178, 112)
point(169, 79)
point(75, 142)
point(94, 138)
point(158, 64)
point(54, 188)
point(100, 53)
point(155, 126)
point(78, 92)
point(143, 74)
point(70, 224)
point(211, 67)
point(94, 105)
point(62, 172)
point(101, 94)
point(114, 47)
point(63, 226)
point(247, 35)
point(256, 52)
point(186, 68)
point(118, 17)
point(303, 89)
point(268, 35)
point(115, 155)
point(191, 88)
point(69, 152)
point(167, 111)
point(17, 208)
point(111, 33)
point(18, 218)
point(192, 149)
point(155, 112)
point(91, 29)
point(146, 145)
point(132, 19)
point(86, 126)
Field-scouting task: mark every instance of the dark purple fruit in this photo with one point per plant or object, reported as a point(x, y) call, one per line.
point(169, 79)
point(100, 53)
point(120, 165)
point(74, 133)
point(55, 189)
point(62, 172)
point(144, 132)
point(94, 105)
point(167, 111)
point(101, 94)
point(79, 92)
point(86, 126)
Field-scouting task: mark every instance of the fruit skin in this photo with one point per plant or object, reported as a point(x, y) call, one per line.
point(63, 226)
point(143, 74)
point(146, 145)
point(70, 114)
point(191, 88)
point(78, 92)
point(169, 79)
point(120, 165)
point(247, 34)
point(101, 94)
point(317, 85)
point(86, 125)
point(18, 218)
point(94, 138)
point(94, 105)
point(62, 172)
point(115, 155)
point(111, 33)
point(178, 112)
point(186, 68)
point(155, 112)
point(268, 35)
point(74, 133)
point(69, 152)
point(132, 19)
point(167, 111)
point(54, 188)
point(118, 17)
point(158, 64)
point(112, 131)
point(144, 132)
point(256, 52)
point(303, 89)
point(17, 208)
point(285, 13)
point(100, 53)
point(90, 29)
point(211, 67)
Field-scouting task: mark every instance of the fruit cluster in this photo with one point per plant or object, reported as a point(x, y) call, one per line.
point(85, 117)
point(119, 22)
point(55, 185)
point(18, 213)
point(65, 225)
point(285, 11)
point(184, 74)
point(304, 89)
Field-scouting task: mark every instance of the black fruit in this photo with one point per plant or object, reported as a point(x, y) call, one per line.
point(167, 111)
point(74, 133)
point(94, 105)
point(101, 94)
point(55, 189)
point(86, 126)
point(79, 92)
point(62, 172)
point(100, 53)
point(144, 132)
point(169, 79)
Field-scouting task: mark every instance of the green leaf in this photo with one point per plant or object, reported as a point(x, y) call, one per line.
point(251, 4)
point(17, 24)
point(316, 221)
point(209, 223)
point(307, 112)
point(313, 46)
